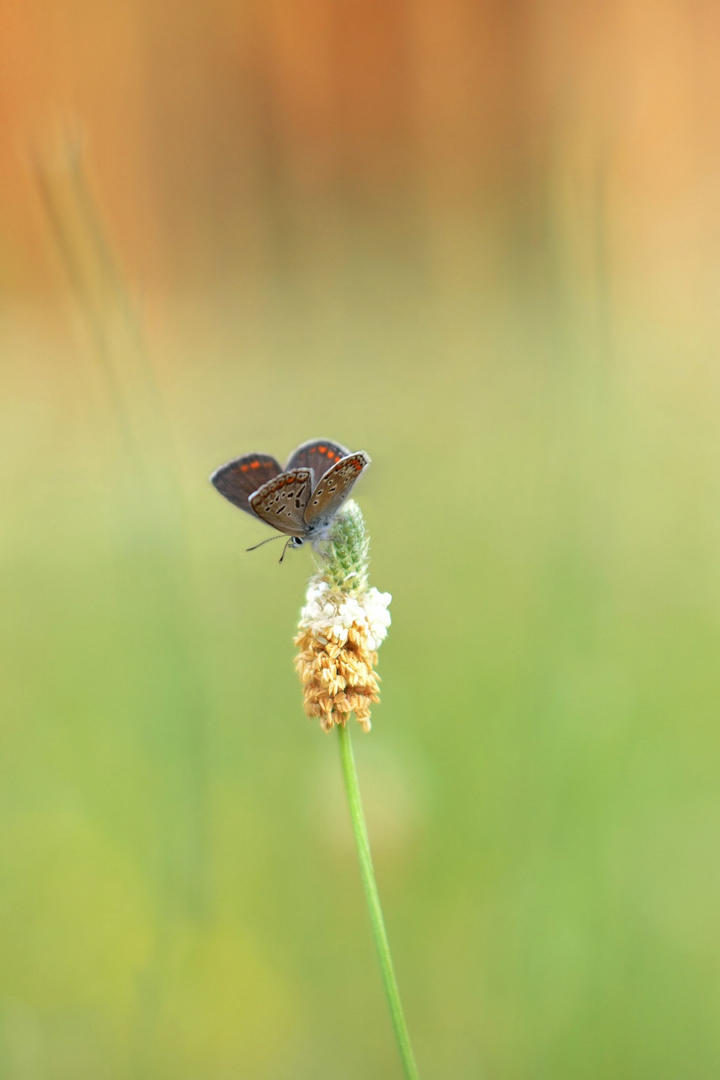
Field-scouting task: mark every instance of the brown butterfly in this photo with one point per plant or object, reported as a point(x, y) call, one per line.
point(300, 500)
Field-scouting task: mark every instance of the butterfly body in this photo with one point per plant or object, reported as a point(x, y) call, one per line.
point(301, 500)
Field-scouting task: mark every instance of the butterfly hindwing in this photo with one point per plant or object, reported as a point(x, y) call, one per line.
point(318, 455)
point(334, 487)
point(283, 500)
point(241, 478)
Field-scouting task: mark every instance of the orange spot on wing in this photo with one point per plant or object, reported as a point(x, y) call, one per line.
point(255, 465)
point(244, 468)
point(323, 449)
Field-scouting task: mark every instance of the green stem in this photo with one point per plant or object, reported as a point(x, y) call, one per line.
point(373, 902)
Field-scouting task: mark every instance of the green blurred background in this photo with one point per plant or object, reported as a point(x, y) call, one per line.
point(480, 241)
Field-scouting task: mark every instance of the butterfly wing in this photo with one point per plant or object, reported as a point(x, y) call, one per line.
point(318, 455)
point(334, 488)
point(283, 500)
point(241, 478)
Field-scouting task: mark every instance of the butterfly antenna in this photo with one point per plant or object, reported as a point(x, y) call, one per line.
point(268, 540)
point(288, 542)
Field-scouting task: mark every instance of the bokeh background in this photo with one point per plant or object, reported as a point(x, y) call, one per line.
point(481, 241)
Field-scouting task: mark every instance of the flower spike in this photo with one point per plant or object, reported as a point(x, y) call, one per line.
point(342, 625)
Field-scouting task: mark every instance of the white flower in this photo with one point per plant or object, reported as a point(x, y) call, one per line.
point(341, 627)
point(331, 613)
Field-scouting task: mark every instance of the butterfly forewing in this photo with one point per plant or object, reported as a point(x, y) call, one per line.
point(282, 501)
point(241, 478)
point(318, 455)
point(334, 488)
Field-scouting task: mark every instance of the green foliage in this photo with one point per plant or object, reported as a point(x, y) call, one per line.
point(180, 896)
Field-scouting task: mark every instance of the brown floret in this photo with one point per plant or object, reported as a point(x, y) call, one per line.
point(338, 677)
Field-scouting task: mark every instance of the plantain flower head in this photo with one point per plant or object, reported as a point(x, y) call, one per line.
point(342, 625)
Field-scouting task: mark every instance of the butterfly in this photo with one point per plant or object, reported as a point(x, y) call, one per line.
point(301, 500)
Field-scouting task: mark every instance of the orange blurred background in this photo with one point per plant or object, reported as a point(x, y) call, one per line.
point(222, 137)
